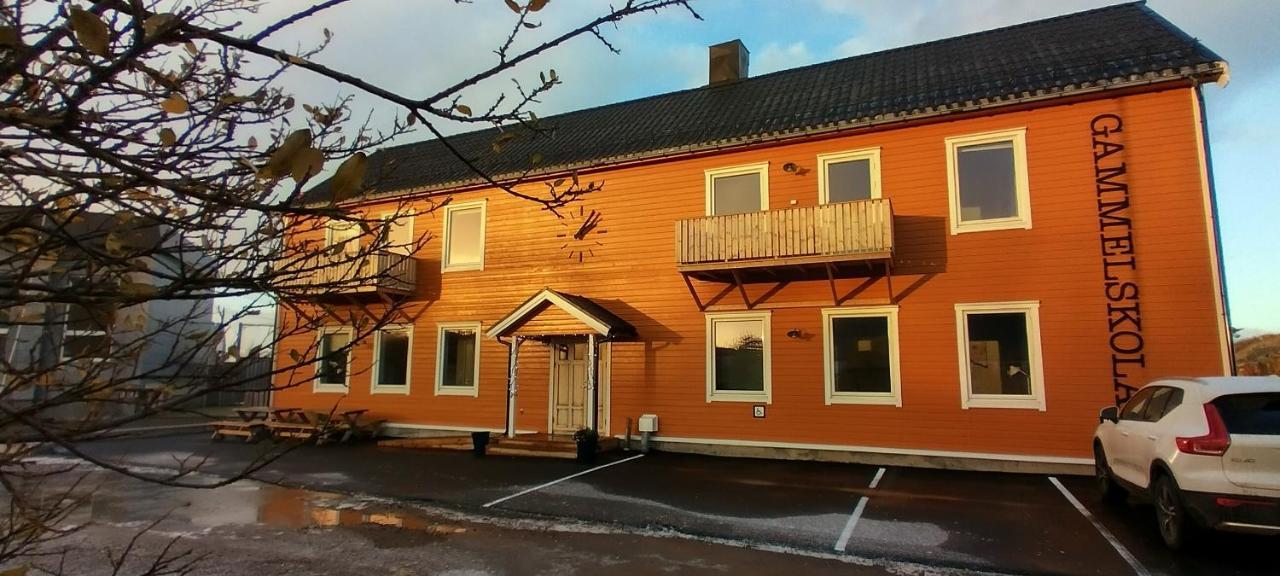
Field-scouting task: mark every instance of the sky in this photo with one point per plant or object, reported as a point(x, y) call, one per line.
point(416, 48)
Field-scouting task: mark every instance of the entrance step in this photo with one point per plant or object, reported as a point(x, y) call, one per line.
point(534, 445)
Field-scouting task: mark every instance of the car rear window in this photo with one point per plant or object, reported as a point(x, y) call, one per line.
point(1250, 413)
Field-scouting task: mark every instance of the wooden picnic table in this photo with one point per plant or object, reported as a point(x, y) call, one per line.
point(347, 422)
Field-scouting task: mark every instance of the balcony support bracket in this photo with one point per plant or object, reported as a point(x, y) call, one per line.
point(742, 289)
point(831, 280)
point(693, 292)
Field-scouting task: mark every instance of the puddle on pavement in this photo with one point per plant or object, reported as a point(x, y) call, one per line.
point(247, 503)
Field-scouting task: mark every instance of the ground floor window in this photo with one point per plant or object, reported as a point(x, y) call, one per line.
point(458, 359)
point(860, 352)
point(738, 357)
point(392, 346)
point(332, 359)
point(999, 347)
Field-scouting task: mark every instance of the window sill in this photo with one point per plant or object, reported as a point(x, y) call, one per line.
point(457, 391)
point(330, 389)
point(871, 399)
point(1016, 402)
point(462, 268)
point(1017, 223)
point(401, 390)
point(752, 397)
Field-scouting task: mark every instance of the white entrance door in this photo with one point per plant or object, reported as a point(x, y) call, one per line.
point(568, 386)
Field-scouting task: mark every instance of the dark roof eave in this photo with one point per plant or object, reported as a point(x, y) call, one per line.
point(1215, 72)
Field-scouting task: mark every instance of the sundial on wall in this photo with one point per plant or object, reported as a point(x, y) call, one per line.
point(581, 235)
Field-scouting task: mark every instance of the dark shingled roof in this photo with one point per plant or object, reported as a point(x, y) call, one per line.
point(1112, 46)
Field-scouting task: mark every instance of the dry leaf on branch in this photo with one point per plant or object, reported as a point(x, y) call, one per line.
point(91, 31)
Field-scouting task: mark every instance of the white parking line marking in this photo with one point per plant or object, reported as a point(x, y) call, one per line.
point(559, 480)
point(876, 481)
point(1138, 568)
point(848, 526)
point(847, 533)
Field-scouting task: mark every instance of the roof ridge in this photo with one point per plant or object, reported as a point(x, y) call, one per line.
point(799, 69)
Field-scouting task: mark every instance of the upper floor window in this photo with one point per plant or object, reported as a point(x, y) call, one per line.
point(332, 359)
point(987, 181)
point(344, 235)
point(738, 190)
point(464, 236)
point(399, 232)
point(849, 176)
point(999, 346)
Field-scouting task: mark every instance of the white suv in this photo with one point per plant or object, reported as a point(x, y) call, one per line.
point(1206, 451)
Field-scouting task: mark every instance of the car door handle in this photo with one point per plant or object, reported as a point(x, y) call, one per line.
point(1124, 433)
point(1151, 438)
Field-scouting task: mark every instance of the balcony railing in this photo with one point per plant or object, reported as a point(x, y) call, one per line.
point(861, 230)
point(343, 274)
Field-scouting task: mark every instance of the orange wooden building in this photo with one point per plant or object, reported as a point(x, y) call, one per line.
point(954, 252)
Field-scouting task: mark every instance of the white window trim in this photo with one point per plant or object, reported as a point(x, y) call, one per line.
point(374, 387)
point(1021, 185)
point(68, 332)
point(390, 217)
point(441, 389)
point(761, 168)
point(1036, 400)
point(353, 245)
point(871, 155)
point(894, 396)
point(765, 396)
point(445, 266)
point(316, 385)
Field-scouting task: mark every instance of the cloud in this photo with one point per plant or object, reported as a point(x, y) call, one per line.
point(775, 56)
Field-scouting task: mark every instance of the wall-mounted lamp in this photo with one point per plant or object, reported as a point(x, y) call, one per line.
point(795, 333)
point(790, 168)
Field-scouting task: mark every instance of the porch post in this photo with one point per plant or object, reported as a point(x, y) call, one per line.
point(593, 359)
point(513, 370)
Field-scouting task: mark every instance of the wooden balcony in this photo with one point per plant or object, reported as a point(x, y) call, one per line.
point(325, 274)
point(812, 235)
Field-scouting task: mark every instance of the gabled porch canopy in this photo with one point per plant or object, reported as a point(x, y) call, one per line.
point(591, 314)
point(586, 317)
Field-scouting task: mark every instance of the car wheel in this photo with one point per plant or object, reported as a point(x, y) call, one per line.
point(1108, 488)
point(1171, 516)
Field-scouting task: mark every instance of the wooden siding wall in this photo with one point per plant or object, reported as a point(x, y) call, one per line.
point(1057, 263)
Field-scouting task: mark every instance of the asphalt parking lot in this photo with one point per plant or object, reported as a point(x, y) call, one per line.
point(1014, 523)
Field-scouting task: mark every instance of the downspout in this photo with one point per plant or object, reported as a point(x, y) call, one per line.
point(1224, 313)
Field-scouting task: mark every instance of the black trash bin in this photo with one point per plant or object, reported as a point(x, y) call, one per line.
point(479, 440)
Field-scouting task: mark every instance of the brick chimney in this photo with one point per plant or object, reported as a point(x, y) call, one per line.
point(728, 62)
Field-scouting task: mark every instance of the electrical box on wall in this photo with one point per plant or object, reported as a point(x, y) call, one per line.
point(757, 411)
point(649, 423)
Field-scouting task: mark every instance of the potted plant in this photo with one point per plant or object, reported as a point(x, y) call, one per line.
point(479, 440)
point(587, 440)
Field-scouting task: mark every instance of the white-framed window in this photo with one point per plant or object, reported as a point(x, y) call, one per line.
point(860, 355)
point(333, 359)
point(999, 348)
point(738, 189)
point(458, 359)
point(392, 359)
point(987, 181)
point(738, 357)
point(343, 234)
point(849, 176)
point(86, 333)
point(463, 236)
point(399, 232)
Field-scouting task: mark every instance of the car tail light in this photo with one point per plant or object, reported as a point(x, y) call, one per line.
point(1215, 443)
point(1226, 502)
